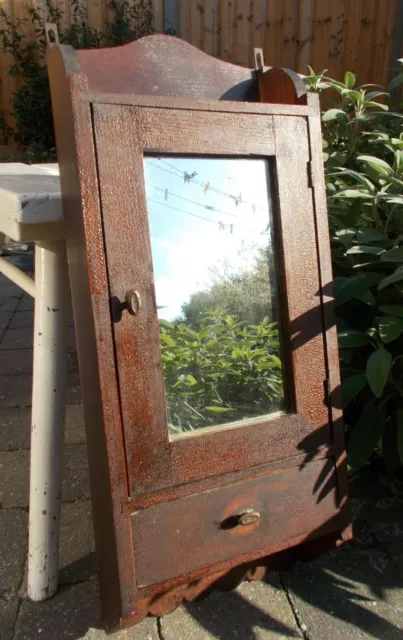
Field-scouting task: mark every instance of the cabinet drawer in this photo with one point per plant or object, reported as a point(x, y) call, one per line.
point(177, 537)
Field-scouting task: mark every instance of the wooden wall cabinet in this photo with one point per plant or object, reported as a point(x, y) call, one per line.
point(175, 513)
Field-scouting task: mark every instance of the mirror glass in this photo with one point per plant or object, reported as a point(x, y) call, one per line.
point(212, 244)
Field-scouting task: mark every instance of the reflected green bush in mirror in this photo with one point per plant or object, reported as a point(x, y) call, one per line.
point(225, 371)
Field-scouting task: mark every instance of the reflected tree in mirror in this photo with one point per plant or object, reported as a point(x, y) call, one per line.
point(212, 244)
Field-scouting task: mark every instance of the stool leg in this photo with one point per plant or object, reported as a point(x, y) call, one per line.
point(48, 409)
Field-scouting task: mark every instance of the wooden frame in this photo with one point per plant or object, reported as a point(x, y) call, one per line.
point(138, 476)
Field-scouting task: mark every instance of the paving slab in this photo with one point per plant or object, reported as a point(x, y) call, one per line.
point(8, 289)
point(22, 338)
point(8, 614)
point(14, 476)
point(5, 319)
point(363, 534)
point(15, 427)
point(75, 426)
point(9, 304)
point(17, 339)
point(352, 593)
point(76, 485)
point(22, 320)
point(77, 548)
point(73, 388)
point(253, 611)
point(27, 303)
point(73, 613)
point(13, 549)
point(16, 391)
point(16, 362)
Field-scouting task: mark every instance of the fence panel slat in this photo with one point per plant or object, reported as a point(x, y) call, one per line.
point(242, 12)
point(365, 39)
point(290, 32)
point(273, 41)
point(197, 26)
point(158, 17)
point(387, 61)
point(340, 35)
point(336, 52)
point(352, 40)
point(208, 26)
point(305, 36)
point(257, 26)
point(227, 29)
point(96, 14)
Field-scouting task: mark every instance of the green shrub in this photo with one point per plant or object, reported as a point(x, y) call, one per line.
point(363, 152)
point(30, 103)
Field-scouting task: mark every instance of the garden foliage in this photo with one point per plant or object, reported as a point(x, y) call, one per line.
point(363, 153)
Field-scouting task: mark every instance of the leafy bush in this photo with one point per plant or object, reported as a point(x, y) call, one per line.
point(363, 152)
point(227, 370)
point(30, 103)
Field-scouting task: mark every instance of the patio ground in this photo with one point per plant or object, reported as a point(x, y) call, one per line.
point(354, 593)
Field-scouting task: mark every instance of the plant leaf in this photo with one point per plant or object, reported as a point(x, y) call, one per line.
point(333, 114)
point(369, 234)
point(345, 236)
point(358, 177)
point(218, 409)
point(367, 298)
point(362, 248)
point(348, 288)
point(378, 367)
point(167, 339)
point(390, 328)
point(376, 105)
point(392, 310)
point(380, 166)
point(393, 255)
point(353, 214)
point(349, 79)
point(365, 435)
point(395, 277)
point(351, 387)
point(396, 82)
point(352, 338)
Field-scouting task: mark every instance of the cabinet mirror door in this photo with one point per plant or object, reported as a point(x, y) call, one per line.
point(213, 245)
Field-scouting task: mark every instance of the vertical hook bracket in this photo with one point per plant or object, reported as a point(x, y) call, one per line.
point(259, 58)
point(51, 33)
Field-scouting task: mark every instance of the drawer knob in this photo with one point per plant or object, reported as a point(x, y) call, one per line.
point(247, 517)
point(133, 302)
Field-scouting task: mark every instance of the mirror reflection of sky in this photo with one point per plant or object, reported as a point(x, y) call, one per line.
point(207, 216)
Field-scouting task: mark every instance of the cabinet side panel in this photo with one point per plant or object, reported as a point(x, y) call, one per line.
point(91, 301)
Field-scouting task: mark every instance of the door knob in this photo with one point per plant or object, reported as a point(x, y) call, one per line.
point(133, 302)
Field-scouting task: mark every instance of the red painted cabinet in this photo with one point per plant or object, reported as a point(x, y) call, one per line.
point(201, 281)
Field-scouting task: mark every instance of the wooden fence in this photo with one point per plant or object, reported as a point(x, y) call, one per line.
point(364, 36)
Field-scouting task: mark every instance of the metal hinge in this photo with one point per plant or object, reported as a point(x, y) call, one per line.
point(310, 175)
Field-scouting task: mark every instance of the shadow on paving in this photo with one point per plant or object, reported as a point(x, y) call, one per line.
point(353, 594)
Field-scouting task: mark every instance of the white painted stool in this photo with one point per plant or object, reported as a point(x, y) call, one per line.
point(31, 211)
